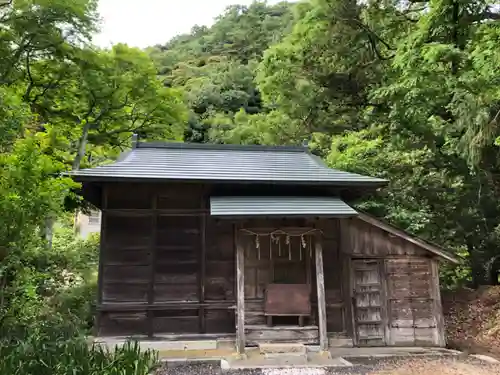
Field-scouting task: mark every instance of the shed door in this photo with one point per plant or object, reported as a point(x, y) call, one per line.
point(368, 302)
point(413, 312)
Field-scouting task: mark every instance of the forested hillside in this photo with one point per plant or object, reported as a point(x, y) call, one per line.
point(405, 91)
point(216, 67)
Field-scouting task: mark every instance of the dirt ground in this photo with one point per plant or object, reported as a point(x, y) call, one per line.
point(438, 367)
point(473, 320)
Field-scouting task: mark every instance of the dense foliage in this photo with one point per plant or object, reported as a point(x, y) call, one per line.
point(408, 91)
point(216, 66)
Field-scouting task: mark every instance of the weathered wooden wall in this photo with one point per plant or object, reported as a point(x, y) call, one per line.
point(395, 288)
point(167, 267)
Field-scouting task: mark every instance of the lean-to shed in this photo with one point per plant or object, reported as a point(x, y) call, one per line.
point(258, 243)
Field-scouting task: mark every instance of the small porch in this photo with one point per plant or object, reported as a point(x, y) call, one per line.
point(280, 287)
point(280, 275)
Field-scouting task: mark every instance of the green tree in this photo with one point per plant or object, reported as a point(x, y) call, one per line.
point(41, 29)
point(270, 128)
point(101, 98)
point(322, 73)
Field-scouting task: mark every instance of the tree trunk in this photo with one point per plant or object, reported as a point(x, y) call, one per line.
point(478, 269)
point(49, 230)
point(82, 144)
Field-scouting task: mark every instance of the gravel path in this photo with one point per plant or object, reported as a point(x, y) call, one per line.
point(407, 366)
point(215, 370)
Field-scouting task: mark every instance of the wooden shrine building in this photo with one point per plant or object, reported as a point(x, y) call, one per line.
point(255, 242)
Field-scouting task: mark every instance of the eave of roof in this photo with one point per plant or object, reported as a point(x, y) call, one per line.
point(238, 206)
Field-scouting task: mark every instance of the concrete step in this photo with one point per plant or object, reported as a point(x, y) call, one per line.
point(271, 350)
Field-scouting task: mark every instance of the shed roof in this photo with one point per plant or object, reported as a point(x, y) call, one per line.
point(224, 163)
point(280, 205)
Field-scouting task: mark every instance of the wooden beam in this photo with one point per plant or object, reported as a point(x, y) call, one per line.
point(437, 305)
point(173, 305)
point(320, 282)
point(240, 282)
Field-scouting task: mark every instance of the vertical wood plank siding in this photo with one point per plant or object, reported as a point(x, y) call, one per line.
point(202, 264)
point(152, 262)
point(409, 287)
point(161, 271)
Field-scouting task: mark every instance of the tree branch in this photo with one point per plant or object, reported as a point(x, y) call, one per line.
point(31, 83)
point(373, 37)
point(6, 3)
point(488, 15)
point(373, 33)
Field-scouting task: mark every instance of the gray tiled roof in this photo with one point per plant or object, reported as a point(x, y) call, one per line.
point(281, 205)
point(202, 162)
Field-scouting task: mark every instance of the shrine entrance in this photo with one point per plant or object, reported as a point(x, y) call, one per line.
point(280, 285)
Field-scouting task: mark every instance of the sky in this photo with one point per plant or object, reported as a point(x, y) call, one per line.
point(143, 23)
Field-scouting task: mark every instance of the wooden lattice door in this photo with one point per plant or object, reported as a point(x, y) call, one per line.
point(368, 302)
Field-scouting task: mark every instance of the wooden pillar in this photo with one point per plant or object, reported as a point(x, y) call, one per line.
point(437, 310)
point(240, 290)
point(320, 282)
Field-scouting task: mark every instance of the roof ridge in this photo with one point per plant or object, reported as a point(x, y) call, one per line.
point(214, 146)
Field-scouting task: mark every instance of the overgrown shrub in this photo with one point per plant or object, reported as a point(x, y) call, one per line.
point(454, 276)
point(48, 313)
point(47, 293)
point(40, 354)
point(79, 301)
point(76, 288)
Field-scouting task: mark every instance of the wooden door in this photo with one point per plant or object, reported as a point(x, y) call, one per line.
point(414, 309)
point(368, 301)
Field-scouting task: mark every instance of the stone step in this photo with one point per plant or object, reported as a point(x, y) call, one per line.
point(282, 348)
